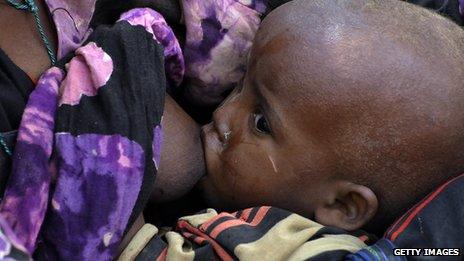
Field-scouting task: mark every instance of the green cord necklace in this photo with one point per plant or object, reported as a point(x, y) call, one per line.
point(30, 6)
point(5, 146)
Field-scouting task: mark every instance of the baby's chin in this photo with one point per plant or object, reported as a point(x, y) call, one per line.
point(205, 183)
point(213, 197)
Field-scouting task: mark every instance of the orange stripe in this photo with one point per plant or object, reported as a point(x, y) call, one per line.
point(225, 225)
point(363, 238)
point(399, 220)
point(219, 250)
point(187, 234)
point(196, 239)
point(245, 214)
point(163, 255)
point(237, 222)
point(393, 227)
point(208, 223)
point(199, 240)
point(419, 207)
point(259, 216)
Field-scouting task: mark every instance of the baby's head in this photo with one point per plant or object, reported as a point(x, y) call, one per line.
point(349, 113)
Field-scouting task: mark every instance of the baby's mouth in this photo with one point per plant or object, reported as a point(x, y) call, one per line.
point(211, 144)
point(212, 139)
point(204, 134)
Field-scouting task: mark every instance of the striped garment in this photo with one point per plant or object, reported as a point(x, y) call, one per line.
point(434, 222)
point(260, 233)
point(268, 233)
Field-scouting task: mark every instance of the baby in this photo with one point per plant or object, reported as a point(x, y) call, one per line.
point(371, 127)
point(348, 114)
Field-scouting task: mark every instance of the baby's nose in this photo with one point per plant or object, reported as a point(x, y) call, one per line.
point(221, 124)
point(226, 116)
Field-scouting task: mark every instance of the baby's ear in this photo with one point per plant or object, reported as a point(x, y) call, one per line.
point(348, 206)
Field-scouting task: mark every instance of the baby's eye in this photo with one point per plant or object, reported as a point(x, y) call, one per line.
point(261, 124)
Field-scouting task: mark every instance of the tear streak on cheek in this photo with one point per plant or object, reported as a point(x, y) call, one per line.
point(272, 163)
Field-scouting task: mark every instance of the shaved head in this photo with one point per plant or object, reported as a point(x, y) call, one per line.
point(387, 78)
point(370, 96)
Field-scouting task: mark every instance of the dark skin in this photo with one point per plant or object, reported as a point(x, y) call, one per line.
point(319, 146)
point(180, 167)
point(182, 162)
point(21, 41)
point(339, 114)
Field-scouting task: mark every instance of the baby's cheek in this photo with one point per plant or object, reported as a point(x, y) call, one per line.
point(249, 171)
point(231, 177)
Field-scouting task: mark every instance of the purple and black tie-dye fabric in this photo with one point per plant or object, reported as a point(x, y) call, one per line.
point(25, 201)
point(89, 143)
point(219, 37)
point(99, 180)
point(72, 21)
point(163, 34)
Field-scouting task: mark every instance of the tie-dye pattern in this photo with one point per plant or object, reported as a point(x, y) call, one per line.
point(79, 190)
point(162, 33)
point(25, 202)
point(219, 37)
point(257, 5)
point(92, 223)
point(72, 21)
point(89, 70)
point(9, 247)
point(5, 246)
